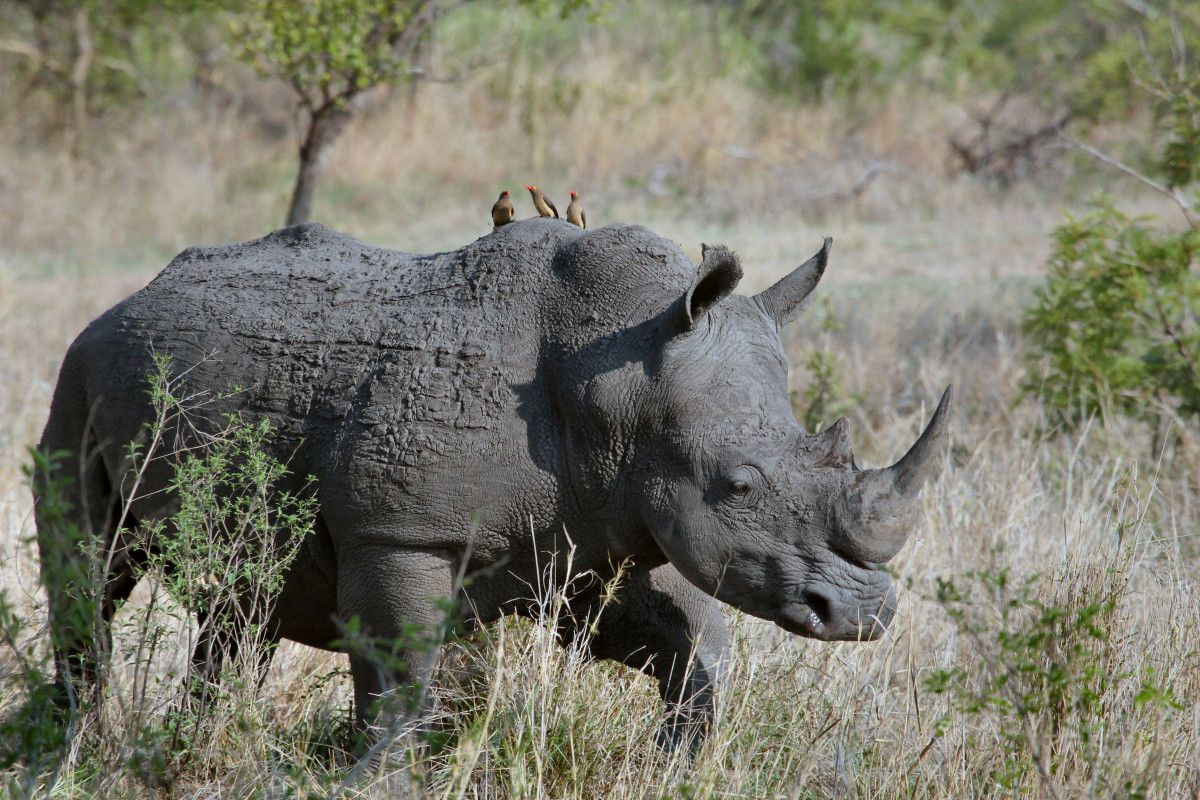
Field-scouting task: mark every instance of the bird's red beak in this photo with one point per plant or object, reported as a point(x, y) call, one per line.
point(530, 188)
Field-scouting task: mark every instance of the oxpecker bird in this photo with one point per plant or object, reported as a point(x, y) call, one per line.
point(575, 214)
point(503, 211)
point(544, 207)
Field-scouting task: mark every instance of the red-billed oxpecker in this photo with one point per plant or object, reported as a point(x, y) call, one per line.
point(503, 210)
point(575, 214)
point(544, 207)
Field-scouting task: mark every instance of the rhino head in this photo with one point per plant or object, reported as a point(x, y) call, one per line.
point(778, 522)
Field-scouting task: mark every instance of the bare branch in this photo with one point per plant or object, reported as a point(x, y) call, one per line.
point(1176, 196)
point(126, 69)
point(1141, 7)
point(1001, 156)
point(420, 73)
point(21, 49)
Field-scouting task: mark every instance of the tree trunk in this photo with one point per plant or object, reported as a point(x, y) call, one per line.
point(84, 51)
point(714, 35)
point(325, 125)
point(300, 209)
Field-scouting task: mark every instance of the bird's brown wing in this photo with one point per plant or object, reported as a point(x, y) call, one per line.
point(583, 218)
point(552, 208)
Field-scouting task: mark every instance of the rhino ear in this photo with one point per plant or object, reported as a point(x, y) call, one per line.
point(716, 277)
point(785, 299)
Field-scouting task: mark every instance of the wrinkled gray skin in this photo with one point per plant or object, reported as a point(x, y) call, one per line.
point(476, 404)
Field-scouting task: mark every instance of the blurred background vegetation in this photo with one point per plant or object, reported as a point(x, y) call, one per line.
point(1011, 185)
point(192, 120)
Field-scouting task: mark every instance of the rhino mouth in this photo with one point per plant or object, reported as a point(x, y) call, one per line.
point(810, 617)
point(814, 616)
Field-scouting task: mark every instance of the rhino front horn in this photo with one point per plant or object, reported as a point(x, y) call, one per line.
point(910, 472)
point(877, 511)
point(783, 301)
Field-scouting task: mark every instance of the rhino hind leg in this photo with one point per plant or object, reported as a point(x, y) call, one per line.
point(394, 604)
point(670, 630)
point(87, 568)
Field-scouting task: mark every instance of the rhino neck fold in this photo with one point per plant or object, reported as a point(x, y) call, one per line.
point(607, 313)
point(597, 456)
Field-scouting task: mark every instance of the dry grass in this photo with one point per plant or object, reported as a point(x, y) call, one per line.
point(928, 276)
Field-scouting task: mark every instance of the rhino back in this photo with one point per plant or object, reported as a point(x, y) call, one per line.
point(368, 357)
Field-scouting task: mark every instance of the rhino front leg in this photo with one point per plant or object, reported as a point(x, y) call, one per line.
point(395, 604)
point(664, 626)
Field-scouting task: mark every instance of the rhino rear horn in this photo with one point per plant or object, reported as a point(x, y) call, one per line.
point(835, 441)
point(716, 277)
point(784, 301)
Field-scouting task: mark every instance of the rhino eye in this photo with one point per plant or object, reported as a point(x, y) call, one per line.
point(743, 484)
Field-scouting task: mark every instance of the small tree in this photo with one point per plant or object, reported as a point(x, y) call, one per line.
point(1113, 329)
point(333, 53)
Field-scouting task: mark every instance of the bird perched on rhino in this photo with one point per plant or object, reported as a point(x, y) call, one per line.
point(575, 214)
point(544, 207)
point(503, 210)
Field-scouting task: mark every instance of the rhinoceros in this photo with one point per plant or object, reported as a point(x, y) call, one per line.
point(469, 412)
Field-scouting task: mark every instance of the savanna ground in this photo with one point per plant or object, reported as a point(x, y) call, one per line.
point(1047, 641)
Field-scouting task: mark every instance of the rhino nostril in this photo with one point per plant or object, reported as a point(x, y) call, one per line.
point(819, 604)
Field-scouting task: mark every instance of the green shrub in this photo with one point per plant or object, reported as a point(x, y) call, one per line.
point(1114, 327)
point(221, 557)
point(234, 534)
point(1042, 665)
point(814, 48)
